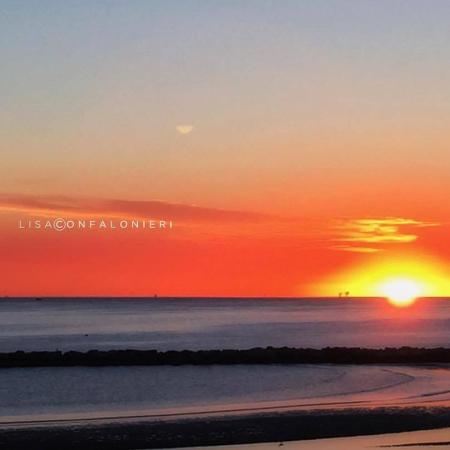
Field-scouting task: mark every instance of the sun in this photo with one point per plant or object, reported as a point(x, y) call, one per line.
point(401, 280)
point(401, 292)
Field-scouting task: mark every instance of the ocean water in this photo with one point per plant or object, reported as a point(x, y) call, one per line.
point(30, 395)
point(33, 395)
point(174, 324)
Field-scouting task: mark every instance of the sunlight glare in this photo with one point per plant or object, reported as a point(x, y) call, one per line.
point(401, 280)
point(401, 292)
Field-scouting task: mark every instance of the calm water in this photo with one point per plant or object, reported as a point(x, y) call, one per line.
point(37, 394)
point(82, 324)
point(60, 393)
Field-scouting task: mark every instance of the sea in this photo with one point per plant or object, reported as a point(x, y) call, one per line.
point(219, 323)
point(43, 395)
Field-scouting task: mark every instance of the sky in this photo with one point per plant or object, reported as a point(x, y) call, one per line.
point(295, 145)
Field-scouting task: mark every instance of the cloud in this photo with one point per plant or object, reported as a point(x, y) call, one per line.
point(367, 235)
point(191, 220)
point(377, 231)
point(345, 248)
point(56, 205)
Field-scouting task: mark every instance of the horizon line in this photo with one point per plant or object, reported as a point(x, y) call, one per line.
point(207, 297)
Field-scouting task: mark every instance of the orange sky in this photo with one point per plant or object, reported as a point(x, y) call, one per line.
point(293, 144)
point(208, 252)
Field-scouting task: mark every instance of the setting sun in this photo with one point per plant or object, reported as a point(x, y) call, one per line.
point(400, 280)
point(401, 292)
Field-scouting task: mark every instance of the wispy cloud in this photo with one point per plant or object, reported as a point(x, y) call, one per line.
point(365, 235)
point(190, 220)
point(347, 248)
point(54, 205)
point(376, 232)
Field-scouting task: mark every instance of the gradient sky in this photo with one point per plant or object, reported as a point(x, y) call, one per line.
point(317, 143)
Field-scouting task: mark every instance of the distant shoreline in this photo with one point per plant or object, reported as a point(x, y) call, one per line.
point(268, 355)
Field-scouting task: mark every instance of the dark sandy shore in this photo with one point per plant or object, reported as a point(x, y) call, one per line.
point(202, 431)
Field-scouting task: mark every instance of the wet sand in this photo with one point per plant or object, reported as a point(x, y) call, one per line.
point(418, 440)
point(197, 432)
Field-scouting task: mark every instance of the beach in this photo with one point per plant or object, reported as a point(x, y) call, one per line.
point(419, 440)
point(210, 430)
point(174, 406)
